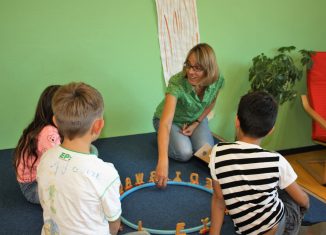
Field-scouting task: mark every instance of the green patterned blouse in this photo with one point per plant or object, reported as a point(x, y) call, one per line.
point(189, 107)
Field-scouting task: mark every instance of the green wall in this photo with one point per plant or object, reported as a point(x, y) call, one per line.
point(113, 45)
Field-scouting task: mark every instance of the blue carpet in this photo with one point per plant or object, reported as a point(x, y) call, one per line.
point(157, 209)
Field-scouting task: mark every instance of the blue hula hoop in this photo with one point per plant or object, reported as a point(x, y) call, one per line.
point(158, 231)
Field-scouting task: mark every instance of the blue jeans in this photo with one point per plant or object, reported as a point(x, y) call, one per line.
point(281, 226)
point(181, 147)
point(30, 192)
point(291, 222)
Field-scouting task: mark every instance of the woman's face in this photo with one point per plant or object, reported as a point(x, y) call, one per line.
point(195, 72)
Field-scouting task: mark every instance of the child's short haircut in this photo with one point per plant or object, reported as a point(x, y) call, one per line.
point(75, 107)
point(257, 113)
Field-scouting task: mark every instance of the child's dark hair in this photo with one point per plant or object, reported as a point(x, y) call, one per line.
point(27, 144)
point(257, 112)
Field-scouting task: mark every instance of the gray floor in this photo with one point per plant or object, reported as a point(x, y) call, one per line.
point(317, 229)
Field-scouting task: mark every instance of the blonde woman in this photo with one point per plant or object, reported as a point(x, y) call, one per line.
point(181, 118)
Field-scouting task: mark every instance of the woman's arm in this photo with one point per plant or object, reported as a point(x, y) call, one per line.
point(163, 140)
point(188, 130)
point(207, 110)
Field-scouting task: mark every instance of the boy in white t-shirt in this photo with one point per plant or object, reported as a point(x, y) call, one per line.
point(79, 193)
point(256, 186)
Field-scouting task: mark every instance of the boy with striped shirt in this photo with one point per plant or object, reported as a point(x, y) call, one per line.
point(256, 186)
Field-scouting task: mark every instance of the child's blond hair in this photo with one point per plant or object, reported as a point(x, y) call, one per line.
point(76, 106)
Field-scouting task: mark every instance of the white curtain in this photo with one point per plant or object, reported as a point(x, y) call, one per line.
point(178, 32)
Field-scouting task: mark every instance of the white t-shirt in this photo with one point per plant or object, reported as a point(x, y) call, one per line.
point(79, 193)
point(249, 177)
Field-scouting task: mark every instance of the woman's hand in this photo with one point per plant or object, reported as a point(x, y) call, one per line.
point(187, 130)
point(163, 138)
point(162, 170)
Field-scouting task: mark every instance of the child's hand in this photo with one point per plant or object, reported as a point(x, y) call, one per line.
point(121, 228)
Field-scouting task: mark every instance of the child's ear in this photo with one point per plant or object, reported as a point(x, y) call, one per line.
point(54, 121)
point(97, 126)
point(271, 131)
point(237, 122)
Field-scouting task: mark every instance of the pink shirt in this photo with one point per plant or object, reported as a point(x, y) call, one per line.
point(47, 138)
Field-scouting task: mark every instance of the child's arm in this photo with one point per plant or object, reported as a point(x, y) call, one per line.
point(298, 195)
point(217, 209)
point(287, 183)
point(114, 227)
point(110, 197)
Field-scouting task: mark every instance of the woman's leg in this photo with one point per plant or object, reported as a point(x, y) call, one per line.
point(30, 192)
point(201, 136)
point(180, 147)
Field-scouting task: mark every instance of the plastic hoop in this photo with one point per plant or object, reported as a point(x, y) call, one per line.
point(158, 231)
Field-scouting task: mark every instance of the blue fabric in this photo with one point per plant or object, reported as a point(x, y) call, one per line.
point(181, 147)
point(316, 212)
point(30, 191)
point(130, 155)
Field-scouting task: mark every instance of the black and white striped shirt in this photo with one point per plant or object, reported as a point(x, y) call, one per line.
point(249, 177)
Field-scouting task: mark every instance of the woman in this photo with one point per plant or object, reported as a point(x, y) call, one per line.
point(180, 119)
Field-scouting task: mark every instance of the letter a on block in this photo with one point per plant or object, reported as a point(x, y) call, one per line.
point(179, 227)
point(194, 178)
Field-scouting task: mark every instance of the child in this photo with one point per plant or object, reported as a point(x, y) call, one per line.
point(246, 177)
point(39, 136)
point(79, 193)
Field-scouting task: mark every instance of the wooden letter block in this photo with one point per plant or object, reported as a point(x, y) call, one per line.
point(205, 228)
point(209, 183)
point(152, 176)
point(139, 178)
point(121, 189)
point(194, 178)
point(179, 227)
point(128, 184)
point(177, 177)
point(140, 225)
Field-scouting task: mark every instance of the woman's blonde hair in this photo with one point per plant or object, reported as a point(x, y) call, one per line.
point(206, 58)
point(75, 107)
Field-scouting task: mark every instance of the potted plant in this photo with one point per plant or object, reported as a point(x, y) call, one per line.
point(279, 74)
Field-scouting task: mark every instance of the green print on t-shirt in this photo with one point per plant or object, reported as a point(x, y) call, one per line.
point(65, 156)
